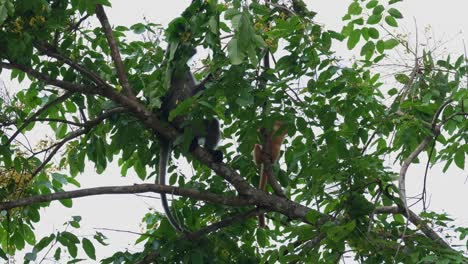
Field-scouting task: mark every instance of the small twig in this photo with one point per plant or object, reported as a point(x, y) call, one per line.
point(282, 7)
point(424, 191)
point(78, 23)
point(124, 231)
point(115, 53)
point(58, 120)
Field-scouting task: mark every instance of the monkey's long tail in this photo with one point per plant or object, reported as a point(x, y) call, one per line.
point(262, 186)
point(164, 153)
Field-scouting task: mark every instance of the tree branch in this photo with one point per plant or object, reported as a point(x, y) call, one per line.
point(30, 119)
point(86, 128)
point(150, 119)
point(50, 51)
point(151, 256)
point(115, 53)
point(129, 189)
point(222, 224)
point(407, 86)
point(416, 220)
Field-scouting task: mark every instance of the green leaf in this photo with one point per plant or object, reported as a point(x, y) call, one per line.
point(380, 46)
point(391, 21)
point(196, 257)
point(391, 43)
point(374, 19)
point(236, 55)
point(392, 91)
point(372, 4)
point(399, 219)
point(354, 8)
point(368, 48)
point(3, 12)
point(31, 256)
point(402, 78)
point(378, 10)
point(395, 13)
point(373, 33)
point(44, 242)
point(89, 249)
point(67, 203)
point(312, 216)
point(58, 253)
point(353, 39)
point(262, 238)
point(3, 254)
point(460, 158)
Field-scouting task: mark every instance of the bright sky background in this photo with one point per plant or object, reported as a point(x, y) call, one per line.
point(448, 192)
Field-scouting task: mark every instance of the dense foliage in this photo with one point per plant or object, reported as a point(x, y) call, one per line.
point(99, 93)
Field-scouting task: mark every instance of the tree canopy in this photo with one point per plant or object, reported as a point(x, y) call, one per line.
point(97, 87)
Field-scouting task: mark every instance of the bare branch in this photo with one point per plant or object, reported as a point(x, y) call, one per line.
point(115, 53)
point(404, 168)
point(129, 189)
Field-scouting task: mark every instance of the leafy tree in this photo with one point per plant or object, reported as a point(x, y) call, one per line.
point(99, 92)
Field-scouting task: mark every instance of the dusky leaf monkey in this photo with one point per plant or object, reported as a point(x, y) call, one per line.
point(181, 87)
point(274, 140)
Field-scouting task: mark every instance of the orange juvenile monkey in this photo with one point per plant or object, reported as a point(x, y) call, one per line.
point(274, 140)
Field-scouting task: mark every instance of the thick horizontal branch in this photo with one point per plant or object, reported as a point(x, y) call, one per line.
point(150, 119)
point(129, 189)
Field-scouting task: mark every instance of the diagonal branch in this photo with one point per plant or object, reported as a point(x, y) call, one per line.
point(129, 189)
point(407, 162)
point(151, 120)
point(222, 224)
point(50, 51)
point(68, 86)
point(86, 128)
point(416, 220)
point(404, 168)
point(30, 119)
point(115, 53)
point(407, 86)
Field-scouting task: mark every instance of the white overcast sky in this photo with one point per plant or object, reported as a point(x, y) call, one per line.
point(448, 192)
